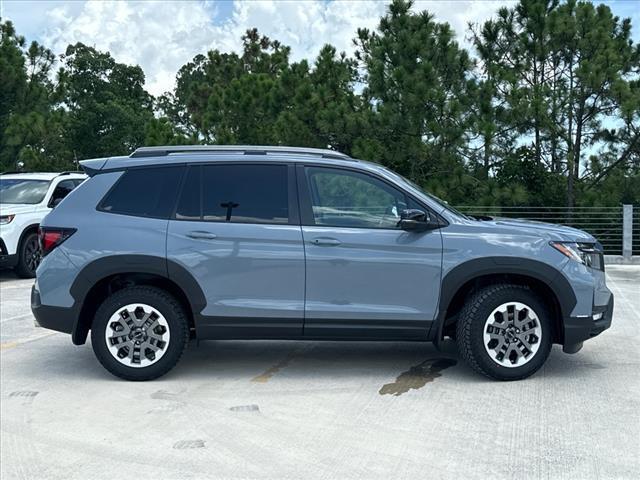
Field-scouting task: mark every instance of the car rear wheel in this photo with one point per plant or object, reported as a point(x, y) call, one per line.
point(504, 332)
point(28, 256)
point(139, 333)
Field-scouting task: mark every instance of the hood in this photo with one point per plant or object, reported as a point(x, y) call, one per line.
point(550, 231)
point(16, 208)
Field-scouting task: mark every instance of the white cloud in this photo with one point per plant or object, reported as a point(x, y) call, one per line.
point(460, 13)
point(159, 36)
point(163, 36)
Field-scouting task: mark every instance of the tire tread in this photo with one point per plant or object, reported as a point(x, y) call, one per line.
point(21, 268)
point(470, 313)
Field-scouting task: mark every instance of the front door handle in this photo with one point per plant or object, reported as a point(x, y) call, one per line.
point(199, 234)
point(326, 242)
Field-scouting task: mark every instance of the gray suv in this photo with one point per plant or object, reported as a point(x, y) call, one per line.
point(234, 242)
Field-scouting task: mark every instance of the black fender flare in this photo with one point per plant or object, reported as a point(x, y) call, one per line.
point(458, 276)
point(105, 267)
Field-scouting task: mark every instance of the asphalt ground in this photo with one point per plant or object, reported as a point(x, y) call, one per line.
point(325, 410)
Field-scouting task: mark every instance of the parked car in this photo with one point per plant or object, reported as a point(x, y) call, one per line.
point(292, 243)
point(25, 198)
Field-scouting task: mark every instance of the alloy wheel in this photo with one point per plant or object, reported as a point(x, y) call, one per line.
point(137, 335)
point(32, 254)
point(512, 334)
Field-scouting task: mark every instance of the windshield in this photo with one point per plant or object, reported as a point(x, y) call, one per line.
point(17, 190)
point(439, 201)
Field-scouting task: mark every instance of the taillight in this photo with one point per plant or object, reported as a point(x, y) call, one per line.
point(51, 237)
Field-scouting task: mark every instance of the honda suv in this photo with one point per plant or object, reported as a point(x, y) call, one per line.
point(173, 243)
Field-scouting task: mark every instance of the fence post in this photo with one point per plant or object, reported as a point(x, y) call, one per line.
point(627, 231)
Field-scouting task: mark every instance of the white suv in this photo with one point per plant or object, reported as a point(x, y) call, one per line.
point(25, 199)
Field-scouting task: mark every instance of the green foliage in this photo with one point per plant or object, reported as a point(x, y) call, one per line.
point(555, 76)
point(544, 111)
point(105, 101)
point(417, 93)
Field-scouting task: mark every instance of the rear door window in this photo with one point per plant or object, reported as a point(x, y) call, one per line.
point(144, 192)
point(236, 194)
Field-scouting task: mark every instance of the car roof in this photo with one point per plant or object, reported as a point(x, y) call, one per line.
point(181, 154)
point(40, 175)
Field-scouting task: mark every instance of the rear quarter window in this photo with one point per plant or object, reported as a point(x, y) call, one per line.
point(144, 192)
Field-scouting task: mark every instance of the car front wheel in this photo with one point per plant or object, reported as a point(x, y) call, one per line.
point(28, 256)
point(504, 332)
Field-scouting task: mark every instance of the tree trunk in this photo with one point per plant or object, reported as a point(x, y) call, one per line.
point(487, 155)
point(570, 193)
point(578, 141)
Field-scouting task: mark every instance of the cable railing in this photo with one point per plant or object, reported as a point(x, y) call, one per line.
point(604, 223)
point(635, 231)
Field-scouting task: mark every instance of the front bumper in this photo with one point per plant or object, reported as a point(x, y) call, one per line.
point(7, 260)
point(579, 329)
point(60, 319)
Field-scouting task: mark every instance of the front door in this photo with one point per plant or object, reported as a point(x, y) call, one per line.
point(236, 230)
point(365, 276)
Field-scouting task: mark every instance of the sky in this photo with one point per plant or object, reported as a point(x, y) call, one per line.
point(161, 36)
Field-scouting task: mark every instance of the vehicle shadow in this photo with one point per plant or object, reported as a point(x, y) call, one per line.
point(6, 274)
point(263, 361)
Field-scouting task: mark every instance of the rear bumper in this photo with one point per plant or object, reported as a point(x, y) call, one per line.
point(579, 329)
point(60, 319)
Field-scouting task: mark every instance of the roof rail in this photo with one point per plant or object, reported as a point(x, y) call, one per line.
point(70, 172)
point(241, 149)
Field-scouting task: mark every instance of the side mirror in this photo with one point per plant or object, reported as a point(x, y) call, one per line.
point(416, 220)
point(55, 202)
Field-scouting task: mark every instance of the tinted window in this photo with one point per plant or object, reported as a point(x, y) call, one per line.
point(63, 189)
point(342, 198)
point(189, 204)
point(145, 192)
point(245, 193)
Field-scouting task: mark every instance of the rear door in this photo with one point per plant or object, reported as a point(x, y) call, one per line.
point(365, 276)
point(236, 229)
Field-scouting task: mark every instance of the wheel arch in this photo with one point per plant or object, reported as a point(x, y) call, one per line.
point(106, 275)
point(31, 228)
point(25, 266)
point(547, 281)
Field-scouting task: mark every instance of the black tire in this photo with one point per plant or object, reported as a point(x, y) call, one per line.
point(471, 324)
point(159, 300)
point(28, 256)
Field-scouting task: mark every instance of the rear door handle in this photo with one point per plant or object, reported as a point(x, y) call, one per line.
point(326, 242)
point(201, 235)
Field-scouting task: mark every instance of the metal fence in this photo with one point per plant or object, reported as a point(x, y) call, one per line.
point(617, 228)
point(635, 229)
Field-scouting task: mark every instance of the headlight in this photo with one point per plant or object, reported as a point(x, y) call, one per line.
point(4, 219)
point(586, 253)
